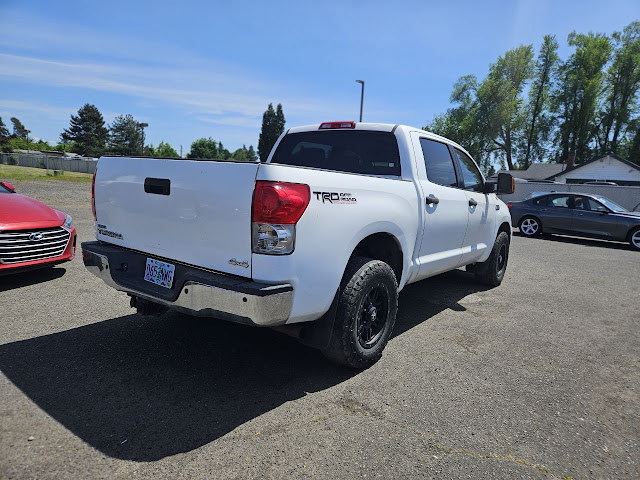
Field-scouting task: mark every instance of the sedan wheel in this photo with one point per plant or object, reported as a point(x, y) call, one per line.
point(530, 227)
point(635, 239)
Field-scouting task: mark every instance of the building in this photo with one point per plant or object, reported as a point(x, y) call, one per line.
point(536, 171)
point(608, 167)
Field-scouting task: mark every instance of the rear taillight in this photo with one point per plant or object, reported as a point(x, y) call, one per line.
point(276, 208)
point(509, 205)
point(93, 193)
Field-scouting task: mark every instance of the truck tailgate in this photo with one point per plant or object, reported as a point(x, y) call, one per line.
point(195, 212)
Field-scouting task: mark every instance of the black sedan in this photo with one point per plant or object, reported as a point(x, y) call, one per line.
point(578, 214)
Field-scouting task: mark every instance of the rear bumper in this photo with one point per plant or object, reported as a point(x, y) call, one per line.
point(195, 291)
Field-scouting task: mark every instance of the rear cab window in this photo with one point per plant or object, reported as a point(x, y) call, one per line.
point(355, 151)
point(438, 163)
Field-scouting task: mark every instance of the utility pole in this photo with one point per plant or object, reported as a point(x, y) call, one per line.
point(180, 151)
point(361, 82)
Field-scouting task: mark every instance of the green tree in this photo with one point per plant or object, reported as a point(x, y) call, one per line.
point(539, 122)
point(166, 150)
point(273, 123)
point(622, 82)
point(460, 123)
point(87, 132)
point(204, 148)
point(579, 86)
point(125, 136)
point(4, 131)
point(19, 129)
point(500, 105)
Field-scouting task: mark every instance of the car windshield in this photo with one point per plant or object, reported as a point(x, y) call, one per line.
point(4, 189)
point(613, 206)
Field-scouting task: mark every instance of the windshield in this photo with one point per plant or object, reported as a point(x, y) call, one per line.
point(4, 189)
point(356, 151)
point(613, 206)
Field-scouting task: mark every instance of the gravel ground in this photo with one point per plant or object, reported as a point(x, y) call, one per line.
point(538, 378)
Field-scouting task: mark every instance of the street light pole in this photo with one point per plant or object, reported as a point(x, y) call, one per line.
point(361, 82)
point(142, 127)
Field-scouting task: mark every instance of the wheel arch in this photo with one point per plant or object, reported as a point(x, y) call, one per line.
point(382, 246)
point(504, 227)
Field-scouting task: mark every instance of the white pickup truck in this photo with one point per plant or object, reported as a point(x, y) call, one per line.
point(318, 240)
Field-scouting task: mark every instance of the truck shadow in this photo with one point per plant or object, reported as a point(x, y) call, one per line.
point(142, 389)
point(31, 277)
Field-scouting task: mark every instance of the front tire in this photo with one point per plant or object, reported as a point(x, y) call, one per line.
point(530, 226)
point(491, 272)
point(366, 313)
point(634, 238)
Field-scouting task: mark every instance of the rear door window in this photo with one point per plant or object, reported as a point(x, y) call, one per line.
point(438, 162)
point(355, 151)
point(540, 201)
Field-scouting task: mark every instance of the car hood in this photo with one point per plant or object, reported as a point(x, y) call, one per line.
point(628, 214)
point(21, 212)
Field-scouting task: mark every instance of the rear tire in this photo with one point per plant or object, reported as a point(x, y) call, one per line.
point(366, 313)
point(634, 238)
point(491, 272)
point(530, 226)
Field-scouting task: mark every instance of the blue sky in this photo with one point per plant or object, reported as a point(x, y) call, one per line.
point(199, 69)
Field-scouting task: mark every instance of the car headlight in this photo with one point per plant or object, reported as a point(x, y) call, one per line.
point(67, 221)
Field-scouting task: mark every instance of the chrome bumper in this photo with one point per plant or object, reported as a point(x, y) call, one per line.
point(201, 299)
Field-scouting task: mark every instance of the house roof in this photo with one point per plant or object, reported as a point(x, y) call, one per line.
point(595, 159)
point(537, 171)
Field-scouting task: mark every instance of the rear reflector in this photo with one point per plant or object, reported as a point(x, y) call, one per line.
point(331, 125)
point(279, 202)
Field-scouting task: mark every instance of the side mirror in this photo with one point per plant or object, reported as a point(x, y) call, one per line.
point(506, 184)
point(489, 187)
point(9, 186)
point(602, 210)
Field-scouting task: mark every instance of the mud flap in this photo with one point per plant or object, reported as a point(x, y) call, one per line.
point(317, 334)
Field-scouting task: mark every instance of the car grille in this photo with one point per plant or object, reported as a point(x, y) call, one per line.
point(16, 247)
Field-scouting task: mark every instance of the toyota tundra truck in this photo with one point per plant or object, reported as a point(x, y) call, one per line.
point(317, 241)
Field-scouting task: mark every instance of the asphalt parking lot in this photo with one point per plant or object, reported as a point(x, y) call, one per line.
point(538, 378)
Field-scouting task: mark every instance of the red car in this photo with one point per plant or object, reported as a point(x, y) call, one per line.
point(32, 234)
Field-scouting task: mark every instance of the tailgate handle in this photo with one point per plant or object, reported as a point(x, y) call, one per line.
point(158, 186)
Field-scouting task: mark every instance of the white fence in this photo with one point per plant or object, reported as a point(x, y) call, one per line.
point(51, 162)
point(628, 197)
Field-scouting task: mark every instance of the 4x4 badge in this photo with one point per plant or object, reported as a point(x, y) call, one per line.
point(236, 263)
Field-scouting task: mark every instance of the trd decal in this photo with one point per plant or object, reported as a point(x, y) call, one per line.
point(335, 197)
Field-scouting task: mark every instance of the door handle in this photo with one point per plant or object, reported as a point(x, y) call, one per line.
point(472, 202)
point(432, 200)
point(157, 186)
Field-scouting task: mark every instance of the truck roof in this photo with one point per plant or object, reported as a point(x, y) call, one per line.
point(381, 127)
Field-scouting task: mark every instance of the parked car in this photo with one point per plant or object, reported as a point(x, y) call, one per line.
point(580, 214)
point(32, 235)
point(319, 239)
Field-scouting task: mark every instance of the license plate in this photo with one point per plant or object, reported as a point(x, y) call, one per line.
point(159, 273)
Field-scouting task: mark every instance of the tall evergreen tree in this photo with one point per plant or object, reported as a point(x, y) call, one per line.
point(87, 131)
point(539, 122)
point(272, 127)
point(251, 154)
point(19, 129)
point(125, 136)
point(4, 131)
